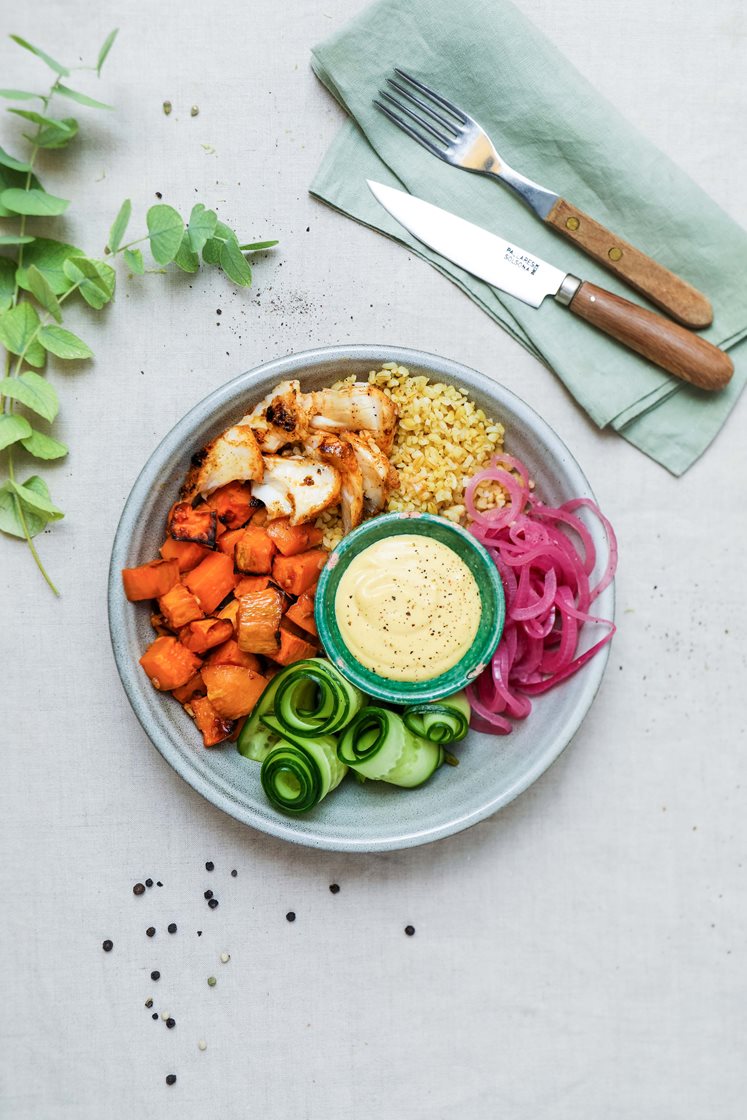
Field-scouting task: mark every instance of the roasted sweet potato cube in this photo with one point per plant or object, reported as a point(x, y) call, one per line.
point(302, 613)
point(186, 553)
point(229, 654)
point(169, 664)
point(296, 574)
point(211, 581)
point(258, 621)
point(205, 633)
point(194, 687)
point(292, 647)
point(227, 541)
point(233, 504)
point(292, 539)
point(254, 551)
point(232, 690)
point(150, 580)
point(179, 607)
point(215, 729)
point(251, 583)
point(193, 523)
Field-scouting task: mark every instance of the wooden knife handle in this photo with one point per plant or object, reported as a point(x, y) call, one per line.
point(675, 349)
point(675, 296)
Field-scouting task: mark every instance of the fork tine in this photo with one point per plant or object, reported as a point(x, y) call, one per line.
point(419, 103)
point(414, 117)
point(410, 131)
point(437, 97)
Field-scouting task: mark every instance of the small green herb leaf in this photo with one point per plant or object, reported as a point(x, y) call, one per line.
point(82, 98)
point(33, 202)
point(7, 282)
point(15, 239)
point(11, 178)
point(42, 292)
point(10, 521)
point(106, 47)
point(165, 230)
point(201, 226)
point(42, 446)
point(18, 326)
point(20, 95)
point(33, 391)
point(116, 233)
point(96, 279)
point(63, 343)
point(51, 62)
point(37, 499)
point(13, 428)
point(258, 245)
point(233, 264)
point(223, 233)
point(134, 261)
point(8, 160)
point(49, 257)
point(52, 133)
point(186, 258)
point(35, 354)
point(211, 250)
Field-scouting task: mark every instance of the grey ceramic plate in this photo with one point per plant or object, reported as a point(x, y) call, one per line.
point(372, 817)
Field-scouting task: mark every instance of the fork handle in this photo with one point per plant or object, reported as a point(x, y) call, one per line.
point(668, 345)
point(673, 295)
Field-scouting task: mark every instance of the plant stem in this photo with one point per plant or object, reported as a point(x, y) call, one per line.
point(27, 536)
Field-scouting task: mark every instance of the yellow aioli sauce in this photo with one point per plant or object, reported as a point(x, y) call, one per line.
point(408, 608)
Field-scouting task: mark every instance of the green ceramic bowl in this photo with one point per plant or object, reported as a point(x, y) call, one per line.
point(493, 609)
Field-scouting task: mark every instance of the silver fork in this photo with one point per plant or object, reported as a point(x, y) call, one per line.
point(454, 136)
point(446, 131)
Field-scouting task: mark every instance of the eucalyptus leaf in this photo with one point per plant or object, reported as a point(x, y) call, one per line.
point(15, 239)
point(165, 231)
point(49, 257)
point(211, 250)
point(224, 233)
point(20, 95)
point(234, 265)
point(258, 245)
point(36, 202)
point(51, 62)
point(10, 520)
point(186, 258)
point(11, 178)
point(82, 98)
point(14, 164)
point(41, 290)
point(7, 282)
point(18, 326)
point(134, 261)
point(36, 499)
point(53, 132)
point(12, 429)
point(42, 446)
point(201, 226)
point(105, 48)
point(35, 354)
point(116, 233)
point(63, 343)
point(33, 391)
point(96, 279)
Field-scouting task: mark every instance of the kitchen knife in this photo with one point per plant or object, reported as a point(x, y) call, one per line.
point(529, 278)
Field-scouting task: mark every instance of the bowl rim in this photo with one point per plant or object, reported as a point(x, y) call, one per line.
point(173, 443)
point(388, 689)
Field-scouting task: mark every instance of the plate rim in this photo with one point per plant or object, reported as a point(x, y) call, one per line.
point(286, 366)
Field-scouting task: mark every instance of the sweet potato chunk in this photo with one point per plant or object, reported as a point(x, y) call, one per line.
point(169, 664)
point(232, 691)
point(251, 583)
point(211, 580)
point(150, 580)
point(187, 523)
point(254, 551)
point(296, 574)
point(302, 613)
point(292, 647)
point(233, 504)
point(258, 621)
point(186, 553)
point(205, 633)
point(292, 539)
point(227, 541)
point(229, 654)
point(194, 687)
point(179, 607)
point(215, 729)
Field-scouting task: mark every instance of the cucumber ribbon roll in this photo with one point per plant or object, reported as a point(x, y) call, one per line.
point(297, 773)
point(377, 745)
point(441, 721)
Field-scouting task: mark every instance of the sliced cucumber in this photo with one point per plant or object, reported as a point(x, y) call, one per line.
point(441, 721)
point(297, 774)
point(377, 745)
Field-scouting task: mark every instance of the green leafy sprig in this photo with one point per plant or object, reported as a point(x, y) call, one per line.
point(39, 274)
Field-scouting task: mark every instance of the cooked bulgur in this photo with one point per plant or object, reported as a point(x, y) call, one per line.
point(442, 439)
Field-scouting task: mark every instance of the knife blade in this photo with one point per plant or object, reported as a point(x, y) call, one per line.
point(527, 277)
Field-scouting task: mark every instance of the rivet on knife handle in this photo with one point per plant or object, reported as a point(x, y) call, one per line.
point(675, 296)
point(668, 345)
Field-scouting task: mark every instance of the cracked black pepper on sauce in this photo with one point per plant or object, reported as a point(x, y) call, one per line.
point(408, 607)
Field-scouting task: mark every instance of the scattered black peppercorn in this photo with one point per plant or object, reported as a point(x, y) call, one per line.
point(170, 1078)
point(154, 1015)
point(210, 866)
point(149, 1003)
point(170, 1023)
point(290, 916)
point(409, 930)
point(158, 883)
point(149, 882)
point(158, 194)
point(218, 311)
point(155, 975)
point(138, 889)
point(234, 873)
point(107, 946)
point(150, 931)
point(334, 888)
point(172, 927)
point(208, 894)
point(213, 903)
point(199, 933)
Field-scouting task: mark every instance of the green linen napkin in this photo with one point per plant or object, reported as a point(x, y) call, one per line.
point(552, 125)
